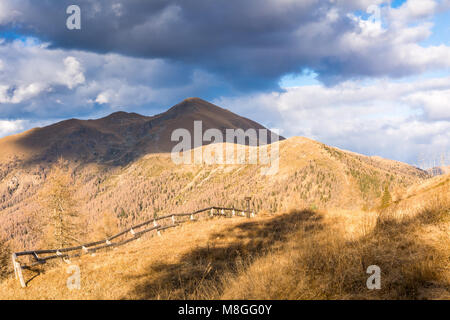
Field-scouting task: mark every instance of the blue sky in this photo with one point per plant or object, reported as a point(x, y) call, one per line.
point(369, 76)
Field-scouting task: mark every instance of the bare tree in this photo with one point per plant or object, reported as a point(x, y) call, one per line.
point(57, 200)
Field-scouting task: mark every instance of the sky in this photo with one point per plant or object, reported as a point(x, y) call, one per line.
point(370, 76)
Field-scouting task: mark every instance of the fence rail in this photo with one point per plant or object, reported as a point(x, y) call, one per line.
point(92, 247)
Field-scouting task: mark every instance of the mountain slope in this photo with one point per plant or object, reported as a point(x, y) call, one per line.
point(118, 138)
point(123, 171)
point(301, 254)
point(310, 174)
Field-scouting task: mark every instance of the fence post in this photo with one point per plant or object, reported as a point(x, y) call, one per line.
point(18, 271)
point(247, 199)
point(14, 265)
point(192, 217)
point(212, 212)
point(173, 219)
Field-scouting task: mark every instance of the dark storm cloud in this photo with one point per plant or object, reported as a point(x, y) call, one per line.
point(250, 42)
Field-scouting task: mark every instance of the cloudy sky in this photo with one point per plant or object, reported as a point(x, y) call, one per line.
point(370, 76)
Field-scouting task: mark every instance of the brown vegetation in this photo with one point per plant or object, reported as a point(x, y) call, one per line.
point(57, 220)
point(311, 175)
point(5, 259)
point(117, 173)
point(297, 255)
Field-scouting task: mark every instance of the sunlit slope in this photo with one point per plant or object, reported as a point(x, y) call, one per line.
point(171, 266)
point(308, 174)
point(299, 254)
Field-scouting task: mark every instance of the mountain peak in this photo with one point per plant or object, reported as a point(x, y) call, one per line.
point(194, 100)
point(194, 105)
point(121, 137)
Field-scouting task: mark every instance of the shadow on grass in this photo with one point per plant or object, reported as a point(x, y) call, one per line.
point(337, 269)
point(34, 274)
point(207, 263)
point(331, 267)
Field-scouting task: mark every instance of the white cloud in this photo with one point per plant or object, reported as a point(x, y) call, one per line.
point(8, 11)
point(389, 46)
point(435, 103)
point(102, 98)
point(32, 70)
point(399, 120)
point(17, 94)
point(413, 10)
point(73, 73)
point(52, 83)
point(11, 127)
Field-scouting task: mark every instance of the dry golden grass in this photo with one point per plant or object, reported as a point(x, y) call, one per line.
point(328, 255)
point(296, 255)
point(168, 267)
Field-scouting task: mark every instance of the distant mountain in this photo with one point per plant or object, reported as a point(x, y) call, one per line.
point(120, 137)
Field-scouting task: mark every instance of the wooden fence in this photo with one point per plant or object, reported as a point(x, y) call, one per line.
point(135, 231)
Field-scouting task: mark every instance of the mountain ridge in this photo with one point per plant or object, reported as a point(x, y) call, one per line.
point(119, 137)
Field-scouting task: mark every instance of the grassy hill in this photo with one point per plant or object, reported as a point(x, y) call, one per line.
point(299, 254)
point(310, 175)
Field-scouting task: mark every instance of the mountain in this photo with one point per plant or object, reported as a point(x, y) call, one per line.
point(122, 170)
point(118, 138)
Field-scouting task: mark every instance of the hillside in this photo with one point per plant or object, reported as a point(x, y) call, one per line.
point(310, 174)
point(121, 174)
point(299, 254)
